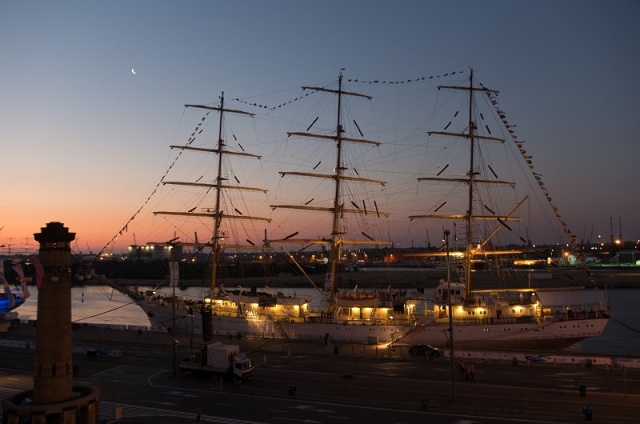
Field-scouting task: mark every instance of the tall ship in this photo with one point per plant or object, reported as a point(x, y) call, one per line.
point(517, 317)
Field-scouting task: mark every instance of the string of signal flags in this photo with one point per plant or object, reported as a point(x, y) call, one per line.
point(354, 80)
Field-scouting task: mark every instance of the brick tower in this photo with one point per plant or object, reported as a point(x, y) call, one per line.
point(53, 378)
point(54, 398)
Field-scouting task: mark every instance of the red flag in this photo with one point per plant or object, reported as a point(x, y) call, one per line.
point(23, 281)
point(39, 272)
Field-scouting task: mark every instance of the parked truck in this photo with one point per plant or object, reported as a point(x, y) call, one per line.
point(219, 359)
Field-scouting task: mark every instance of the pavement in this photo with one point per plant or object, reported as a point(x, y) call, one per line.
point(344, 374)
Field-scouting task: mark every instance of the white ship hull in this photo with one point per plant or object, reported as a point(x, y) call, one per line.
point(545, 336)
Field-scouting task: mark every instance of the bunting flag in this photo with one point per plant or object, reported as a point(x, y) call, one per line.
point(528, 159)
point(174, 273)
point(274, 107)
point(39, 272)
point(407, 81)
point(23, 281)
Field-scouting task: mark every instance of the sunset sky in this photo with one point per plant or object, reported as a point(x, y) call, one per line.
point(92, 95)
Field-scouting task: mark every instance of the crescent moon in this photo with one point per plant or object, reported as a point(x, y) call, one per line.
point(133, 71)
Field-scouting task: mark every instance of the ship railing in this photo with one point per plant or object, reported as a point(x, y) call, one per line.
point(494, 321)
point(498, 302)
point(357, 322)
point(251, 315)
point(575, 316)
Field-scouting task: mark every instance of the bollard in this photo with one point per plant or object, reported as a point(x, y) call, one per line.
point(292, 389)
point(588, 412)
point(424, 401)
point(583, 390)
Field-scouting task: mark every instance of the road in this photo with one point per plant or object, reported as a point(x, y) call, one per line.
point(140, 385)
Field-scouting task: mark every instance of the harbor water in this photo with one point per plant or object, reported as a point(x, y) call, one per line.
point(95, 304)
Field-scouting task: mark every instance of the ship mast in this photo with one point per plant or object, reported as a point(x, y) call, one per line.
point(336, 246)
point(472, 176)
point(217, 214)
point(338, 208)
point(471, 180)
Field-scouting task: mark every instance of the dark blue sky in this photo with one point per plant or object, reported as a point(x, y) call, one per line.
point(85, 140)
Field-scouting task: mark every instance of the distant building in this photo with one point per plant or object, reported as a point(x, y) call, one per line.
point(149, 252)
point(627, 257)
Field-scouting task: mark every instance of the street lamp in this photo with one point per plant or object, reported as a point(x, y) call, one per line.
point(453, 369)
point(205, 311)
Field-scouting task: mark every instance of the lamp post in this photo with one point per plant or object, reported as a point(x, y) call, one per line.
point(173, 280)
point(453, 369)
point(206, 312)
point(219, 306)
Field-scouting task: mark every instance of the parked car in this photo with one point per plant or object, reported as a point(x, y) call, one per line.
point(424, 350)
